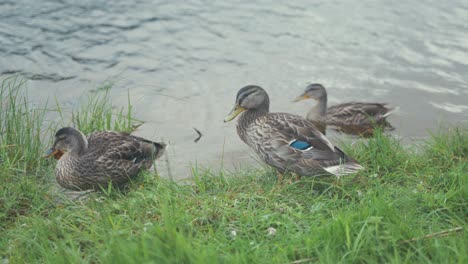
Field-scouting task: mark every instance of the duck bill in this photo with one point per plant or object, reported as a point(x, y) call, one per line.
point(302, 97)
point(234, 112)
point(50, 152)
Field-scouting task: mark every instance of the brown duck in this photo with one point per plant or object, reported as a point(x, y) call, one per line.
point(100, 159)
point(357, 118)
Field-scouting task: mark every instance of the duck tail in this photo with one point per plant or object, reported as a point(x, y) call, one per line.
point(160, 147)
point(151, 148)
point(347, 166)
point(390, 111)
point(344, 169)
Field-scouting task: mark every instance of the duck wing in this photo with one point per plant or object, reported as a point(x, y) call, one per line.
point(290, 142)
point(358, 113)
point(118, 152)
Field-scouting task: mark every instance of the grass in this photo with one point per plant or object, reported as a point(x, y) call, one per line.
point(20, 125)
point(242, 217)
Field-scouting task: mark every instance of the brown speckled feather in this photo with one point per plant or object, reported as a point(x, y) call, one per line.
point(355, 118)
point(354, 113)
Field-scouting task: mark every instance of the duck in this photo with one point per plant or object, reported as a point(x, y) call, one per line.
point(101, 158)
point(356, 118)
point(287, 142)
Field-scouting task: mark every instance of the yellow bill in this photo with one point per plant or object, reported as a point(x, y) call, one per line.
point(302, 97)
point(234, 112)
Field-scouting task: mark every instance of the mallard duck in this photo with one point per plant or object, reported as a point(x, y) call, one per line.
point(284, 141)
point(101, 158)
point(353, 118)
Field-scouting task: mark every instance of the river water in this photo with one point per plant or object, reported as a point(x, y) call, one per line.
point(183, 62)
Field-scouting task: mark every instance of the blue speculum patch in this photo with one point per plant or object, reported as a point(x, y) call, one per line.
point(297, 144)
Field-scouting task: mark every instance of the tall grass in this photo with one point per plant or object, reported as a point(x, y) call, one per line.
point(97, 113)
point(21, 128)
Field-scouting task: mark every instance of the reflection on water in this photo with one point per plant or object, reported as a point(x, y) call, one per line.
point(183, 61)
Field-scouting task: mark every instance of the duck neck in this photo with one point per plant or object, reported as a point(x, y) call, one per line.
point(249, 116)
point(246, 119)
point(318, 110)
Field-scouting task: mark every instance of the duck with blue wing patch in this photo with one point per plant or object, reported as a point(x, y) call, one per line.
point(285, 141)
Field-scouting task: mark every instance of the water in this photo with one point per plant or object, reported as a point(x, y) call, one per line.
point(183, 61)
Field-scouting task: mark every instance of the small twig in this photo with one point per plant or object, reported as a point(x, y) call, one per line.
point(135, 127)
point(199, 135)
point(299, 261)
point(438, 234)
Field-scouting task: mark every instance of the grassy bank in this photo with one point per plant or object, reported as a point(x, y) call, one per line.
point(380, 215)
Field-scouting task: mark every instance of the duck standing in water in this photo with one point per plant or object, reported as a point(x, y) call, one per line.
point(101, 158)
point(284, 141)
point(354, 118)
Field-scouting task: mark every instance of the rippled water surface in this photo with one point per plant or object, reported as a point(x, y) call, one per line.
point(183, 61)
